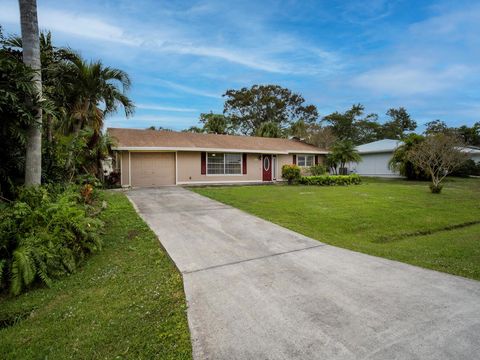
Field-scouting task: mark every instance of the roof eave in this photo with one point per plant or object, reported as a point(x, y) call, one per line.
point(263, 151)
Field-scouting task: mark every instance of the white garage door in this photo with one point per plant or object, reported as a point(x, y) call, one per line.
point(152, 169)
point(375, 165)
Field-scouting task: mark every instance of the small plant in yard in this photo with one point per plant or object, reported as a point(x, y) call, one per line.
point(437, 156)
point(291, 173)
point(317, 170)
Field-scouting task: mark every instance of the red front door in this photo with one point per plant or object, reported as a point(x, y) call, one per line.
point(267, 167)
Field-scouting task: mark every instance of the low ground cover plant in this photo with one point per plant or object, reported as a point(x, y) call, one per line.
point(330, 180)
point(45, 233)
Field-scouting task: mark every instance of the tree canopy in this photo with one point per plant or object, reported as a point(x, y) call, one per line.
point(355, 126)
point(469, 135)
point(267, 110)
point(77, 94)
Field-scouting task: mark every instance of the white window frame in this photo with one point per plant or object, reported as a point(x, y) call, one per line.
point(224, 164)
point(305, 159)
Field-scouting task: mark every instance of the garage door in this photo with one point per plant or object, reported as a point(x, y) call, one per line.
point(375, 165)
point(153, 169)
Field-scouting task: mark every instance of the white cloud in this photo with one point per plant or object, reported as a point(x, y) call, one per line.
point(187, 89)
point(410, 79)
point(178, 38)
point(77, 24)
point(164, 108)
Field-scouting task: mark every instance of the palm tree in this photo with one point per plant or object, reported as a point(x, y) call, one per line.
point(97, 91)
point(31, 57)
point(344, 152)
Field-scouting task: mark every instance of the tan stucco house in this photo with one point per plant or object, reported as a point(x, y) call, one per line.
point(147, 158)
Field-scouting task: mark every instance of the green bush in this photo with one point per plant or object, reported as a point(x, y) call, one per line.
point(43, 235)
point(330, 180)
point(291, 173)
point(317, 170)
point(467, 168)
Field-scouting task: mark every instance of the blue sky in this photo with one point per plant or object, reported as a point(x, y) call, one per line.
point(183, 55)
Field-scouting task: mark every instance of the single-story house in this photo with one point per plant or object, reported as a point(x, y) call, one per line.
point(147, 158)
point(377, 154)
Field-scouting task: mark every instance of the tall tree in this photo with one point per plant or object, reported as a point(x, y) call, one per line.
point(250, 108)
point(353, 126)
point(400, 161)
point(93, 91)
point(31, 57)
point(435, 127)
point(470, 135)
point(97, 90)
point(216, 124)
point(323, 137)
point(400, 122)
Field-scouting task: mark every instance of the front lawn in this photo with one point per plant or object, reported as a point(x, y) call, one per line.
point(395, 219)
point(125, 302)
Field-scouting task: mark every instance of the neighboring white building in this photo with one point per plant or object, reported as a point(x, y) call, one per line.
point(377, 154)
point(473, 153)
point(375, 158)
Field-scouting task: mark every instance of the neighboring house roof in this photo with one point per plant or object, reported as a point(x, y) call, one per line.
point(390, 145)
point(380, 146)
point(136, 139)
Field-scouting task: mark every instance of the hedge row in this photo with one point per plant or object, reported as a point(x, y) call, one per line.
point(330, 180)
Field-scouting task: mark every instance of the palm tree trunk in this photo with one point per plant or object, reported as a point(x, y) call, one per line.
point(31, 57)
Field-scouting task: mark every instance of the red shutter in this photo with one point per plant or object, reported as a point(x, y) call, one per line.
point(244, 167)
point(203, 167)
point(316, 159)
point(294, 159)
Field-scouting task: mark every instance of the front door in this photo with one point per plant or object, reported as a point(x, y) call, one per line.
point(267, 167)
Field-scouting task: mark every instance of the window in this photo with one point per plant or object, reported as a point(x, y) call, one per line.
point(305, 160)
point(224, 164)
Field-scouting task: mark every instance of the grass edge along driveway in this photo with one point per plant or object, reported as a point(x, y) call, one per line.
point(395, 219)
point(125, 302)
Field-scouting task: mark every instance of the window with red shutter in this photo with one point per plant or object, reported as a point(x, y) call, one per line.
point(203, 167)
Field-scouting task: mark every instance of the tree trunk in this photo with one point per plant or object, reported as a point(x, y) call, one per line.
point(31, 57)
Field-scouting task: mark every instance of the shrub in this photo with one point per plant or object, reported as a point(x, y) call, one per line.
point(331, 180)
point(467, 168)
point(317, 170)
point(291, 173)
point(113, 180)
point(43, 235)
point(436, 189)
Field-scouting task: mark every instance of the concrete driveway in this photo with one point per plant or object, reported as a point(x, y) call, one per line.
point(258, 291)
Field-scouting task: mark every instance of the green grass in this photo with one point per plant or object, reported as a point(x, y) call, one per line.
point(126, 302)
point(395, 219)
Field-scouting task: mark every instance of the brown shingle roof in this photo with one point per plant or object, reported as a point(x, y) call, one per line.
point(135, 139)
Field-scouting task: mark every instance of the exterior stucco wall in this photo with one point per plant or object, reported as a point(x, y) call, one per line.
point(283, 160)
point(189, 169)
point(288, 160)
point(124, 168)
